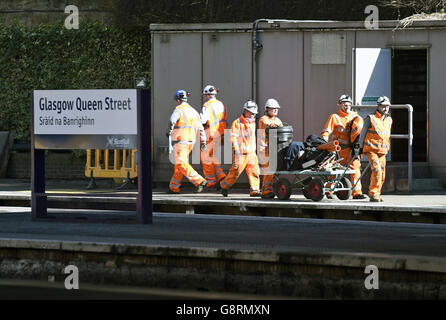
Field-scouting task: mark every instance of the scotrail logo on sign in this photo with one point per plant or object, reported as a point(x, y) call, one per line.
point(85, 112)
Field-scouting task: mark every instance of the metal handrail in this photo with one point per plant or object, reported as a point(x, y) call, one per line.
point(408, 136)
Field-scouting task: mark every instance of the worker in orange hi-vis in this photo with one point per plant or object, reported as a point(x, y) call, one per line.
point(345, 126)
point(214, 118)
point(269, 120)
point(184, 124)
point(375, 143)
point(243, 141)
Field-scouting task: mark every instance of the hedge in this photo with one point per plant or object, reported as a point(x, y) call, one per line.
point(95, 56)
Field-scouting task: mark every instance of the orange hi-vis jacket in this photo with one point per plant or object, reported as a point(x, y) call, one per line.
point(265, 122)
point(243, 135)
point(214, 117)
point(184, 124)
point(377, 139)
point(340, 126)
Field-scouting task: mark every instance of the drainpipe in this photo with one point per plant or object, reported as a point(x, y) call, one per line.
point(257, 47)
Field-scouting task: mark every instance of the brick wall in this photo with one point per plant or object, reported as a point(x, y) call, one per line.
point(57, 166)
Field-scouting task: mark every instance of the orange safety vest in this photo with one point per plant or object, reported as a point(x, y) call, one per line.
point(342, 128)
point(377, 139)
point(265, 122)
point(243, 135)
point(185, 130)
point(217, 118)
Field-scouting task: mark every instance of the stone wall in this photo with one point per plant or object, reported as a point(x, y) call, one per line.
point(282, 274)
point(6, 140)
point(35, 12)
point(57, 166)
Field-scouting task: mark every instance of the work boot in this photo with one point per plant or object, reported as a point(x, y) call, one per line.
point(92, 184)
point(126, 185)
point(375, 198)
point(201, 186)
point(330, 196)
point(360, 196)
point(169, 191)
point(224, 192)
point(256, 194)
point(270, 195)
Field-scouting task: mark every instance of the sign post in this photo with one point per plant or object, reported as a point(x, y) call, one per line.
point(144, 200)
point(91, 119)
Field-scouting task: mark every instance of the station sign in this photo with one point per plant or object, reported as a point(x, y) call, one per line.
point(85, 119)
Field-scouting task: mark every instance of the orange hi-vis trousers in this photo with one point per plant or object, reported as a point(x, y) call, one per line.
point(240, 163)
point(355, 165)
point(267, 184)
point(268, 179)
point(183, 168)
point(378, 167)
point(212, 169)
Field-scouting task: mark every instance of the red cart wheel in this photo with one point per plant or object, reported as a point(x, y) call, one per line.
point(282, 188)
point(315, 190)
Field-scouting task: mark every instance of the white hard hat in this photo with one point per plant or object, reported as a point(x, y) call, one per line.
point(345, 98)
point(272, 103)
point(209, 89)
point(251, 106)
point(383, 101)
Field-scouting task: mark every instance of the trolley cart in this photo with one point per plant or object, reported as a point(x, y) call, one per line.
point(315, 183)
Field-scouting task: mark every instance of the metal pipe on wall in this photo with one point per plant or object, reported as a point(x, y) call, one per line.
point(409, 144)
point(257, 46)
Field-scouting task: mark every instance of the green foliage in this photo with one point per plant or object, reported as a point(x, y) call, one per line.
point(95, 56)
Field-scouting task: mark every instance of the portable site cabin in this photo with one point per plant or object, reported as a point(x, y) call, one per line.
point(306, 66)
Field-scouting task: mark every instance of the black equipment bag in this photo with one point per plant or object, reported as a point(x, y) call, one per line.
point(312, 156)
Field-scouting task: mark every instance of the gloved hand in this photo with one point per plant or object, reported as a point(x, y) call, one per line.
point(355, 149)
point(203, 147)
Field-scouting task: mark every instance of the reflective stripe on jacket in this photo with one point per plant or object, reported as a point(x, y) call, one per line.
point(243, 135)
point(377, 139)
point(214, 116)
point(186, 127)
point(341, 127)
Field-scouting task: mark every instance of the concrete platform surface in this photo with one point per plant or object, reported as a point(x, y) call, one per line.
point(263, 234)
point(427, 207)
